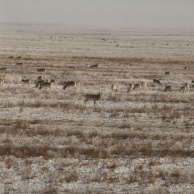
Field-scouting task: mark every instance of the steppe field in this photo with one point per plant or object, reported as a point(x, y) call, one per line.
point(133, 141)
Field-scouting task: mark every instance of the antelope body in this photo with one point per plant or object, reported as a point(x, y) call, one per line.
point(187, 85)
point(156, 81)
point(39, 83)
point(46, 84)
point(183, 89)
point(137, 87)
point(167, 73)
point(40, 78)
point(168, 89)
point(69, 84)
point(3, 68)
point(144, 84)
point(1, 81)
point(114, 88)
point(26, 81)
point(41, 70)
point(92, 97)
point(94, 66)
point(19, 63)
point(130, 87)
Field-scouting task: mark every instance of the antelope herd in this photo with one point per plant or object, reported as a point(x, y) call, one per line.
point(131, 87)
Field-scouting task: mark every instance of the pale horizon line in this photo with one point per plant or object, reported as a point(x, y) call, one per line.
point(111, 26)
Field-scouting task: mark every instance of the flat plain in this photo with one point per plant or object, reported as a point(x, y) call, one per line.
point(139, 141)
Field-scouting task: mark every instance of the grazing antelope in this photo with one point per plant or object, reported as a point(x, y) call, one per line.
point(168, 89)
point(114, 88)
point(183, 89)
point(46, 84)
point(72, 67)
point(186, 68)
point(192, 81)
point(26, 81)
point(137, 87)
point(3, 68)
point(19, 63)
point(93, 66)
point(167, 73)
point(92, 97)
point(41, 70)
point(69, 84)
point(157, 81)
point(130, 87)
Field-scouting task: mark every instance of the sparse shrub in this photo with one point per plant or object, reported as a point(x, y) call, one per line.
point(112, 165)
point(19, 124)
point(7, 141)
point(27, 162)
point(190, 177)
point(113, 98)
point(13, 78)
point(45, 169)
point(9, 162)
point(158, 190)
point(98, 177)
point(71, 177)
point(27, 173)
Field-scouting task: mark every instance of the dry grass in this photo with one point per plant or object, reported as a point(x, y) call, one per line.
point(132, 142)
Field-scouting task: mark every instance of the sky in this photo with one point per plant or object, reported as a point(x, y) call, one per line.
point(145, 13)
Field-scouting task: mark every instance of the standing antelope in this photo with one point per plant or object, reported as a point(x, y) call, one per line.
point(183, 89)
point(1, 81)
point(26, 81)
point(69, 84)
point(114, 88)
point(92, 97)
point(137, 87)
point(187, 85)
point(130, 87)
